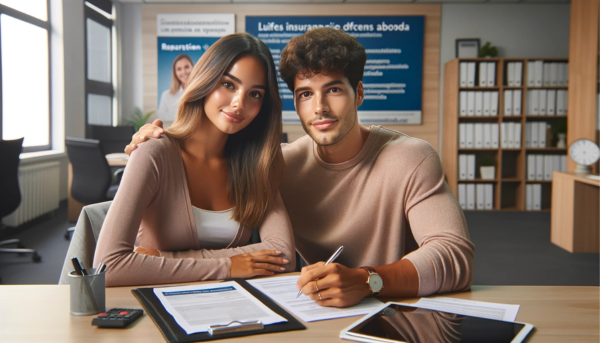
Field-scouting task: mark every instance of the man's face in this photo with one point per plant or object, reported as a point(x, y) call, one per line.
point(327, 106)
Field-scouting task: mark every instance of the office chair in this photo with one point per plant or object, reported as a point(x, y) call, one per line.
point(10, 193)
point(92, 176)
point(112, 138)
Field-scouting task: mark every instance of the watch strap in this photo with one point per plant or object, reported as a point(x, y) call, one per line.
point(371, 271)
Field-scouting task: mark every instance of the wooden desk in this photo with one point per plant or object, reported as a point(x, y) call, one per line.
point(40, 313)
point(74, 206)
point(575, 217)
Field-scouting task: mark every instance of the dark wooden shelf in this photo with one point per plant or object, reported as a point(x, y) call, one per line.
point(511, 179)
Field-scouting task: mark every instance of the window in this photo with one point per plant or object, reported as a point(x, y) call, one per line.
point(99, 31)
point(25, 73)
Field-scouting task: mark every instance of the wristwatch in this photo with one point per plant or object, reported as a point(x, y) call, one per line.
point(375, 282)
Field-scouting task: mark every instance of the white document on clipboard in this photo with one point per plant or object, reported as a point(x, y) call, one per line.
point(197, 307)
point(283, 290)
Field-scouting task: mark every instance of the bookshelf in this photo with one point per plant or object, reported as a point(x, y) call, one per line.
point(510, 181)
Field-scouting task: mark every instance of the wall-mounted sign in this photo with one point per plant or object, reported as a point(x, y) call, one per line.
point(182, 39)
point(393, 74)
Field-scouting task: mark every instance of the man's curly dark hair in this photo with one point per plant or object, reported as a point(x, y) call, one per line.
point(320, 51)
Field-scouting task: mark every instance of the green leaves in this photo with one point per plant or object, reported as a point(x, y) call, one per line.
point(138, 118)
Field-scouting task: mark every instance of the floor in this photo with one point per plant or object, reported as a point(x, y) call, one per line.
point(511, 248)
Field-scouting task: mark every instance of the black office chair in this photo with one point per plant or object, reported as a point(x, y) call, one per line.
point(112, 138)
point(92, 177)
point(10, 193)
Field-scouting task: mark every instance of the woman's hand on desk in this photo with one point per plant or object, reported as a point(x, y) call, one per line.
point(154, 130)
point(262, 262)
point(146, 251)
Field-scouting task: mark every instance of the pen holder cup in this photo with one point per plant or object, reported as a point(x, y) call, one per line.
point(87, 293)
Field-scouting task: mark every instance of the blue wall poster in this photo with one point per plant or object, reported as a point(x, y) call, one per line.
point(182, 39)
point(393, 74)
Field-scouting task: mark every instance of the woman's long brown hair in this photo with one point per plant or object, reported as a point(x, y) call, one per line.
point(253, 154)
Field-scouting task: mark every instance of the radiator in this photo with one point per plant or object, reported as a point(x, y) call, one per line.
point(39, 185)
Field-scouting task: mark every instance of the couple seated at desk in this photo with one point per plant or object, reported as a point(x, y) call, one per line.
point(189, 200)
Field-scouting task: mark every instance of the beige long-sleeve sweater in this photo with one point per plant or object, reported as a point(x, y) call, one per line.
point(368, 204)
point(153, 207)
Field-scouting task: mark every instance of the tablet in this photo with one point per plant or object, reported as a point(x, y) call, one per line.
point(395, 322)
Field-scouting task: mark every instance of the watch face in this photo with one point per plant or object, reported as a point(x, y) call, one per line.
point(584, 152)
point(375, 282)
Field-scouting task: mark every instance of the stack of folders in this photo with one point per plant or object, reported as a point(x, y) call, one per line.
point(535, 134)
point(478, 136)
point(466, 167)
point(547, 74)
point(533, 197)
point(540, 167)
point(476, 196)
point(474, 75)
point(512, 102)
point(514, 74)
point(547, 102)
point(511, 135)
point(478, 104)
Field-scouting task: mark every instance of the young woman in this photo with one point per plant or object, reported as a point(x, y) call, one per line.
point(193, 196)
point(169, 100)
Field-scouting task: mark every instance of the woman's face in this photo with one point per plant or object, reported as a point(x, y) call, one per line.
point(183, 69)
point(238, 96)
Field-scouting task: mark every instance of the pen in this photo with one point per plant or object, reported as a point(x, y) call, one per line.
point(331, 259)
point(77, 265)
point(99, 268)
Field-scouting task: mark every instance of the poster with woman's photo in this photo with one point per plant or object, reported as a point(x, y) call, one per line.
point(182, 39)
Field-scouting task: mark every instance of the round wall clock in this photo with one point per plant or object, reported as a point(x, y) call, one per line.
point(585, 153)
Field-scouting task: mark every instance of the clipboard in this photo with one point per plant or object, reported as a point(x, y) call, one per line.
point(173, 333)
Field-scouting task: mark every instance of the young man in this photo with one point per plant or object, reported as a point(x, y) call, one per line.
point(370, 190)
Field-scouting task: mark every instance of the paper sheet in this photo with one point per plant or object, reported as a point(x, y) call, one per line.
point(470, 308)
point(197, 307)
point(283, 290)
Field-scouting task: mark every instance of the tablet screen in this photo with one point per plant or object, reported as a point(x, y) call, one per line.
point(396, 323)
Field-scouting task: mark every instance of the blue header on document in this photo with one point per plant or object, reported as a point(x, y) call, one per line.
point(200, 291)
point(393, 76)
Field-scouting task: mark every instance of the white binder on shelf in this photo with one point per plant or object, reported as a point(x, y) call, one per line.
point(548, 167)
point(560, 102)
point(479, 136)
point(517, 135)
point(464, 69)
point(470, 103)
point(562, 80)
point(566, 74)
point(494, 104)
point(551, 102)
point(491, 74)
point(543, 101)
point(537, 197)
point(504, 136)
point(470, 129)
point(531, 73)
point(487, 99)
point(470, 196)
point(487, 136)
point(554, 74)
point(471, 74)
point(542, 134)
point(518, 70)
point(529, 198)
point(470, 167)
point(462, 136)
point(535, 102)
point(531, 167)
point(462, 167)
point(546, 81)
point(489, 196)
point(510, 74)
point(508, 102)
point(528, 135)
point(483, 74)
point(510, 130)
point(539, 73)
point(539, 167)
point(462, 195)
point(534, 134)
point(563, 163)
point(516, 107)
point(480, 197)
point(495, 135)
point(478, 103)
point(463, 104)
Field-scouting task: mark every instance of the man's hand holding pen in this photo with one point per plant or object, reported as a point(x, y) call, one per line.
point(333, 285)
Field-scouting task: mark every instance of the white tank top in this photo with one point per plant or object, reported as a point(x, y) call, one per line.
point(216, 229)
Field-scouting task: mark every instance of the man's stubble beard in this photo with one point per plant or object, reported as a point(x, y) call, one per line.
point(345, 128)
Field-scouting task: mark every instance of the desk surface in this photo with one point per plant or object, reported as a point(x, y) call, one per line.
point(40, 313)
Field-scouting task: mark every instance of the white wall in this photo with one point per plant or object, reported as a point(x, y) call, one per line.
point(129, 18)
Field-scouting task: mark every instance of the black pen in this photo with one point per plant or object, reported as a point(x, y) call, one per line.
point(77, 265)
point(331, 259)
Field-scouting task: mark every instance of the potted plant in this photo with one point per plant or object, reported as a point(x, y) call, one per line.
point(488, 50)
point(487, 167)
point(138, 118)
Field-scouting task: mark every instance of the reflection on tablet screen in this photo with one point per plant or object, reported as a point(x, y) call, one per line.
point(397, 323)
